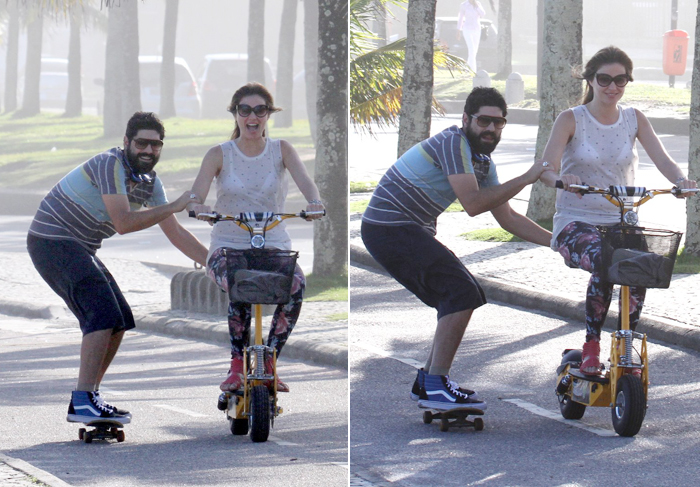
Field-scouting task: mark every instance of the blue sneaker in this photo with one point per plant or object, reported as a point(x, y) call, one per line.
point(86, 406)
point(117, 411)
point(441, 393)
point(418, 391)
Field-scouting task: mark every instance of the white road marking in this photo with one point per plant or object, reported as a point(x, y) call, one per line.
point(280, 441)
point(112, 391)
point(384, 353)
point(181, 411)
point(557, 417)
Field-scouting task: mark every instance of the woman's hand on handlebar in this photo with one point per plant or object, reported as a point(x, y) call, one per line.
point(567, 180)
point(315, 205)
point(686, 184)
point(196, 210)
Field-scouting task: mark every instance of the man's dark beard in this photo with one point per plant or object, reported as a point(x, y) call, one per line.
point(479, 145)
point(141, 167)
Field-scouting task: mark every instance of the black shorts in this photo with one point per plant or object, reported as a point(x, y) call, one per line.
point(424, 266)
point(83, 282)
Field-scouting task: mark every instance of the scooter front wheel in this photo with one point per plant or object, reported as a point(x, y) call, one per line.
point(629, 407)
point(571, 409)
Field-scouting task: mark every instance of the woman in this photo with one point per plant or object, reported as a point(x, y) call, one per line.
point(470, 11)
point(250, 171)
point(595, 142)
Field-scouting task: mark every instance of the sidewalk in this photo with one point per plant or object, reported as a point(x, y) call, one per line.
point(535, 277)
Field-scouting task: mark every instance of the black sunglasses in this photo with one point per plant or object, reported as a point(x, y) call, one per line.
point(141, 144)
point(605, 79)
point(484, 121)
point(259, 110)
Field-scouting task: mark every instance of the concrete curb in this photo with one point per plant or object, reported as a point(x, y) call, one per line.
point(42, 476)
point(656, 328)
point(530, 116)
point(301, 348)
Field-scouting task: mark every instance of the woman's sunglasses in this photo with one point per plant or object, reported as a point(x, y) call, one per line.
point(259, 110)
point(605, 79)
point(484, 121)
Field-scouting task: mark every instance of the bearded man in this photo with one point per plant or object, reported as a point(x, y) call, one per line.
point(103, 196)
point(400, 224)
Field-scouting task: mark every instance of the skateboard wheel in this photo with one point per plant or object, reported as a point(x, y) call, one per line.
point(120, 435)
point(478, 424)
point(87, 437)
point(427, 417)
point(444, 425)
point(81, 433)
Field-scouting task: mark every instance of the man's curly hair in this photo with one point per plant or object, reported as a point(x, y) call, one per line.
point(144, 121)
point(483, 96)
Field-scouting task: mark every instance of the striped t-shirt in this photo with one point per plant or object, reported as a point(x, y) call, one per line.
point(416, 189)
point(74, 209)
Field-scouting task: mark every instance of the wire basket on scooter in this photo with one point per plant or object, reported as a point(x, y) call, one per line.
point(260, 276)
point(636, 256)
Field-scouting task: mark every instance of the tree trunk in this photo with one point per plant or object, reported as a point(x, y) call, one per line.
point(692, 236)
point(331, 175)
point(416, 101)
point(12, 58)
point(74, 97)
point(31, 104)
point(256, 46)
point(311, 61)
point(560, 90)
point(505, 39)
point(285, 65)
point(167, 67)
point(122, 86)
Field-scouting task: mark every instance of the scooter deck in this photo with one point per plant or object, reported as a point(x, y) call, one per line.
point(102, 430)
point(455, 418)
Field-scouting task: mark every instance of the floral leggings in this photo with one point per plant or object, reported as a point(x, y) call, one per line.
point(239, 314)
point(581, 246)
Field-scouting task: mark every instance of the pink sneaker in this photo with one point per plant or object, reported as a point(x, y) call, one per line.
point(281, 386)
point(590, 358)
point(234, 381)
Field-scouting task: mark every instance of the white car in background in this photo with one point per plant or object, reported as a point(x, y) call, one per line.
point(187, 100)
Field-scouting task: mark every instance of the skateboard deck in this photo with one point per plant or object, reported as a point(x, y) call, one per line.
point(456, 418)
point(102, 430)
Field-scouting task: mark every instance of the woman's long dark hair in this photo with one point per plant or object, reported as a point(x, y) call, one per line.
point(607, 55)
point(250, 89)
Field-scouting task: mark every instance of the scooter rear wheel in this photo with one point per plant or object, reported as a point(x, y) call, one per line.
point(260, 414)
point(629, 406)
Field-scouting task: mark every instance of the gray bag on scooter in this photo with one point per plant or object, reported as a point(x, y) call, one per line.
point(260, 276)
point(638, 268)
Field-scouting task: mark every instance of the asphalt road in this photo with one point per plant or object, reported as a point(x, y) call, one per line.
point(509, 356)
point(177, 435)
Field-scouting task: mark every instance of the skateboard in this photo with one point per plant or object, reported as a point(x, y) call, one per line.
point(102, 430)
point(458, 416)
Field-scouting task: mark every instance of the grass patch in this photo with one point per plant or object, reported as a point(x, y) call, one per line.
point(686, 264)
point(358, 206)
point(497, 234)
point(362, 186)
point(638, 94)
point(337, 317)
point(333, 288)
point(37, 151)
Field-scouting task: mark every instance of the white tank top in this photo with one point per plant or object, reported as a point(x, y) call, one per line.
point(250, 184)
point(600, 155)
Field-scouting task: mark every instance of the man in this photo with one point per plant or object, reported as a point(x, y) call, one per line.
point(94, 201)
point(399, 227)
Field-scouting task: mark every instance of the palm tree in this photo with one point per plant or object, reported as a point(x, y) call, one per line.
point(256, 48)
point(167, 67)
point(559, 90)
point(74, 97)
point(31, 104)
point(376, 73)
point(331, 174)
point(692, 236)
point(505, 39)
point(285, 64)
point(12, 57)
point(122, 86)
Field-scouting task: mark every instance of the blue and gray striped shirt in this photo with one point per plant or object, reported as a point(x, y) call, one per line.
point(416, 189)
point(74, 209)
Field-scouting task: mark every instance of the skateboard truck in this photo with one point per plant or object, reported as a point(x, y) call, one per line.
point(102, 430)
point(458, 416)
